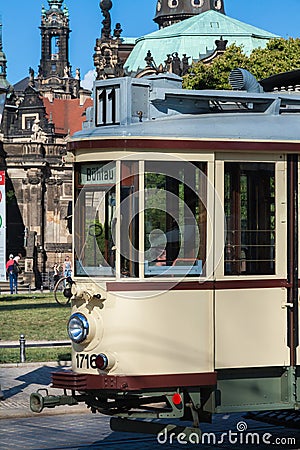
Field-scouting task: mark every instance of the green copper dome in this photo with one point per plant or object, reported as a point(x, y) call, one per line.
point(196, 38)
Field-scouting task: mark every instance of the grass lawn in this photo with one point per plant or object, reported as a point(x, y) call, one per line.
point(38, 317)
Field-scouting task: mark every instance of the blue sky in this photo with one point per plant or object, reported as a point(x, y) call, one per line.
point(21, 21)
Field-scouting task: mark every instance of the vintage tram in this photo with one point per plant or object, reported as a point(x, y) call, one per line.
point(185, 225)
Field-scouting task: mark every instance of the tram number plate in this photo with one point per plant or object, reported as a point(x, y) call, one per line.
point(107, 105)
point(86, 361)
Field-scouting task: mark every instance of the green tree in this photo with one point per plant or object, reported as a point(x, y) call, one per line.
point(280, 55)
point(215, 75)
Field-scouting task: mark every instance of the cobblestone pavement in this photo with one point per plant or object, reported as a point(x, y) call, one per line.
point(18, 381)
point(75, 427)
point(90, 432)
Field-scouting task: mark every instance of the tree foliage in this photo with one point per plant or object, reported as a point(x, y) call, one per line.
point(280, 55)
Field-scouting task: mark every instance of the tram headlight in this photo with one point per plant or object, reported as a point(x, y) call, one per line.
point(78, 328)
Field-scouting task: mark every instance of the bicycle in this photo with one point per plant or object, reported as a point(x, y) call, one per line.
point(62, 290)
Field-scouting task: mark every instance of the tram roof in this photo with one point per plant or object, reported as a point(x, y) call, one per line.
point(178, 113)
point(211, 126)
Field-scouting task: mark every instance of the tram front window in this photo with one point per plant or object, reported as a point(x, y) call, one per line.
point(110, 210)
point(95, 219)
point(175, 218)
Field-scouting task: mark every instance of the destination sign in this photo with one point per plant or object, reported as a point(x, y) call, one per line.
point(100, 174)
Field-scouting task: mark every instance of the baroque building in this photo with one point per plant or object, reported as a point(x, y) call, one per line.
point(40, 113)
point(189, 31)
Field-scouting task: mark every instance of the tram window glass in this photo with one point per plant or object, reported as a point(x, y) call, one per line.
point(94, 219)
point(129, 227)
point(250, 214)
point(175, 218)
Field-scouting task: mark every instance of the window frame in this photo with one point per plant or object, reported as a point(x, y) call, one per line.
point(141, 159)
point(280, 219)
point(249, 206)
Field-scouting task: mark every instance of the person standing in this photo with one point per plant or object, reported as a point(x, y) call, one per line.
point(11, 269)
point(67, 267)
point(17, 258)
point(56, 275)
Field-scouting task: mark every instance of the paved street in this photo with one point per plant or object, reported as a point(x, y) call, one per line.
point(87, 431)
point(18, 381)
point(76, 428)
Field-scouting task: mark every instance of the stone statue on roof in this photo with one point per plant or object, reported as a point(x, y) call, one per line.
point(105, 6)
point(38, 135)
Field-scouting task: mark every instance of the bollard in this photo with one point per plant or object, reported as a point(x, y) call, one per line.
point(1, 394)
point(22, 348)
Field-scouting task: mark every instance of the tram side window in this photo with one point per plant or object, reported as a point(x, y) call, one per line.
point(175, 218)
point(94, 214)
point(249, 193)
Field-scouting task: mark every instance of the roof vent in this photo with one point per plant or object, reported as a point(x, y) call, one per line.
point(242, 80)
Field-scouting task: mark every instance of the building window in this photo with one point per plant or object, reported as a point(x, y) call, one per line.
point(197, 3)
point(28, 120)
point(28, 123)
point(173, 3)
point(55, 43)
point(218, 4)
point(250, 215)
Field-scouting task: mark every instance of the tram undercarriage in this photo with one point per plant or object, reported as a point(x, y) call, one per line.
point(236, 390)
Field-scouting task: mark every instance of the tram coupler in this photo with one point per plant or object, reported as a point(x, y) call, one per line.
point(38, 402)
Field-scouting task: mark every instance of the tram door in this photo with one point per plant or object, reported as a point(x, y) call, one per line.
point(251, 326)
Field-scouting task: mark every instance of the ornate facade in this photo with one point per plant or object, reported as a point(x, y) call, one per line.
point(35, 129)
point(112, 52)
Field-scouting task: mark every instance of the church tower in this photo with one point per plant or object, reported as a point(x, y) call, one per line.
point(173, 11)
point(55, 75)
point(55, 40)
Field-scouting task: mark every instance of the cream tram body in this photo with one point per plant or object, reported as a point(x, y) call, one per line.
point(184, 251)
